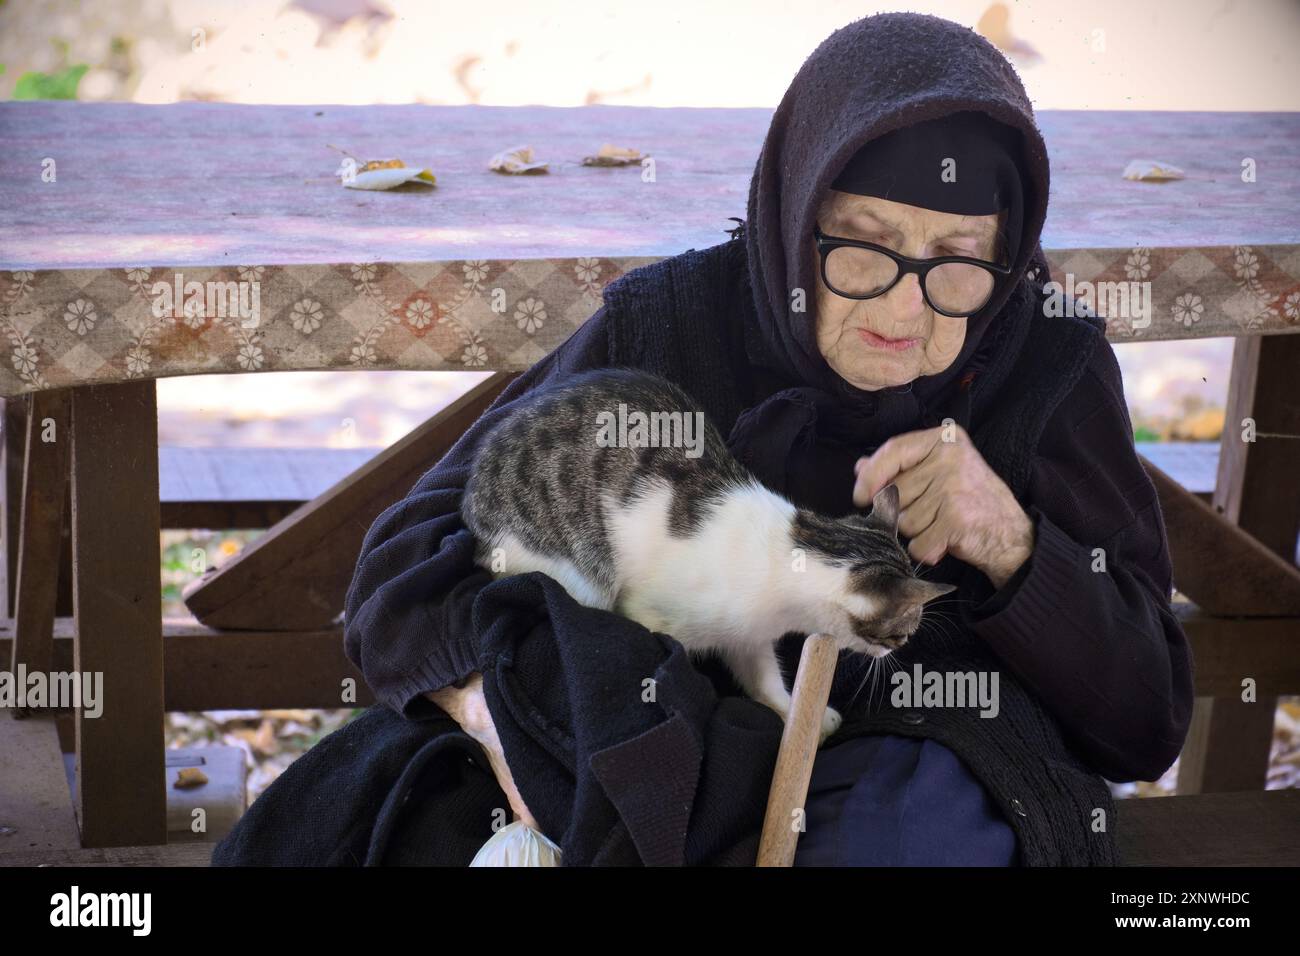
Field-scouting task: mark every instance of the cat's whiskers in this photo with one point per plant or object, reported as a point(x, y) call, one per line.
point(942, 618)
point(873, 672)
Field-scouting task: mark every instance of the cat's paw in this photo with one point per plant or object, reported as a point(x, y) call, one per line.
point(831, 721)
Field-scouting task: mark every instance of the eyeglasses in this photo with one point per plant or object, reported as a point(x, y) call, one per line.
point(955, 286)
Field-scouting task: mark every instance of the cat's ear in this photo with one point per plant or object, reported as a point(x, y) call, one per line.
point(916, 591)
point(884, 509)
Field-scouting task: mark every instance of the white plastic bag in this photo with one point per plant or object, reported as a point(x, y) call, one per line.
point(517, 844)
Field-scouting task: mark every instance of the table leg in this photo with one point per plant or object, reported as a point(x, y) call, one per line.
point(42, 490)
point(14, 439)
point(1228, 745)
point(121, 796)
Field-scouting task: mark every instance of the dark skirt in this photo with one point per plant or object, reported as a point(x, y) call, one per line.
point(898, 801)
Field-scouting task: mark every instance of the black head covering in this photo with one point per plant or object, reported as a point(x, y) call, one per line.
point(908, 165)
point(938, 88)
point(905, 166)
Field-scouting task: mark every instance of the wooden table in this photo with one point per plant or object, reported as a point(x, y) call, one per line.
point(409, 280)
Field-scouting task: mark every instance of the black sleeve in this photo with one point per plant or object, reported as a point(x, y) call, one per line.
point(1101, 649)
point(407, 615)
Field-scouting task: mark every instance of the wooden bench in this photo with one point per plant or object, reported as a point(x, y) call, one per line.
point(1212, 829)
point(76, 267)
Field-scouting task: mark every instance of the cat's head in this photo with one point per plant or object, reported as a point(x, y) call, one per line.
point(876, 598)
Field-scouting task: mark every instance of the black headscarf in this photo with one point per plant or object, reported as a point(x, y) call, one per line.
point(938, 87)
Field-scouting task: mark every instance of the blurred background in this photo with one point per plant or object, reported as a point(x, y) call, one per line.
point(1104, 54)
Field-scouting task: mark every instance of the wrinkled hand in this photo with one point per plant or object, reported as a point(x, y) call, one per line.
point(468, 707)
point(950, 501)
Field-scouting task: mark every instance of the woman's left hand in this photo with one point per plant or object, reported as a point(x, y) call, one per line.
point(950, 501)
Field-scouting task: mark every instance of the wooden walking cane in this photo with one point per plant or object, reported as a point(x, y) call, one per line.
point(794, 759)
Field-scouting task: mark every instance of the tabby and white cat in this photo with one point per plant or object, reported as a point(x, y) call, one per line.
point(609, 484)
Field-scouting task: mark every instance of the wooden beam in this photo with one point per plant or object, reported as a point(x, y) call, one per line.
point(296, 576)
point(44, 489)
point(63, 604)
point(217, 670)
point(121, 795)
point(1226, 651)
point(225, 515)
point(1258, 481)
point(1220, 567)
point(206, 669)
point(1229, 741)
point(1217, 829)
point(12, 444)
point(35, 803)
point(1227, 745)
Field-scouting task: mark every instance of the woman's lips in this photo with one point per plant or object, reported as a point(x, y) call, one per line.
point(880, 342)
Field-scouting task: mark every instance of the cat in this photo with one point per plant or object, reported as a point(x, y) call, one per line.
point(611, 485)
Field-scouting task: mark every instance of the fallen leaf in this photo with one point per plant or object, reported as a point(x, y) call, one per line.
point(379, 173)
point(516, 160)
point(611, 155)
point(188, 778)
point(1150, 170)
point(387, 177)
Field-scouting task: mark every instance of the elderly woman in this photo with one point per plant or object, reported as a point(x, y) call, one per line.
point(877, 318)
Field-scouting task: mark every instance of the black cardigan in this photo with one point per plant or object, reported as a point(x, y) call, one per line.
point(1095, 672)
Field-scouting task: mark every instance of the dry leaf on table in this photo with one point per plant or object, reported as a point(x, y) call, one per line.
point(611, 155)
point(517, 159)
point(386, 176)
point(380, 173)
point(1151, 170)
point(189, 777)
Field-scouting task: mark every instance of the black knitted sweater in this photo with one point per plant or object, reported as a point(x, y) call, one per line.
point(1094, 670)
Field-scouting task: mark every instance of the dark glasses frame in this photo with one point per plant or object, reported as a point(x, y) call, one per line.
point(906, 265)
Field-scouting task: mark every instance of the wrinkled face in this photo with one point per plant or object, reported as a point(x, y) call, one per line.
point(895, 337)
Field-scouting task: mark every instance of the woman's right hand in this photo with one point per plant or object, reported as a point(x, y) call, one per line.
point(468, 707)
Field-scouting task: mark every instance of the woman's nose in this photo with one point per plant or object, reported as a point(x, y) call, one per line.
point(905, 299)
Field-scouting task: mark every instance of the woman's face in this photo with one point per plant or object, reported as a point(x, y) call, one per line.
point(852, 333)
